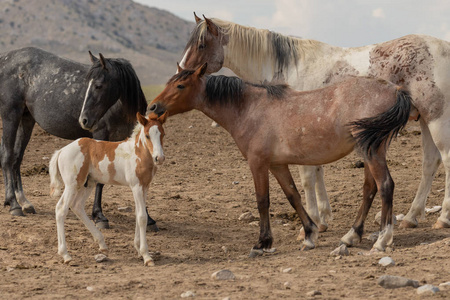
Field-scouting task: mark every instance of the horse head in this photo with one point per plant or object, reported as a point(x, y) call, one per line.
point(110, 80)
point(153, 134)
point(206, 44)
point(180, 93)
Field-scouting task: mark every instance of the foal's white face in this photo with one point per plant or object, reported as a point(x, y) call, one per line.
point(154, 142)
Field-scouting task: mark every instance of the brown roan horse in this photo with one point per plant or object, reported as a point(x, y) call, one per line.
point(275, 126)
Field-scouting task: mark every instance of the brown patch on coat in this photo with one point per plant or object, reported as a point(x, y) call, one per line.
point(408, 62)
point(339, 71)
point(94, 152)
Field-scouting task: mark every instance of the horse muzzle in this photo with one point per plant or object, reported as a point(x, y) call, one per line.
point(156, 108)
point(159, 159)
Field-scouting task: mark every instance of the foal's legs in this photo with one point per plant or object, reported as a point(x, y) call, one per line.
point(140, 236)
point(430, 164)
point(102, 222)
point(284, 178)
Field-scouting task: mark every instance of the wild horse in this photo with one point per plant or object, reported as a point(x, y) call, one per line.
point(275, 126)
point(38, 86)
point(420, 64)
point(100, 161)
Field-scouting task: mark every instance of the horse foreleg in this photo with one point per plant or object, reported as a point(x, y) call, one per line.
point(369, 191)
point(430, 164)
point(261, 180)
point(284, 178)
point(140, 194)
point(97, 212)
point(308, 177)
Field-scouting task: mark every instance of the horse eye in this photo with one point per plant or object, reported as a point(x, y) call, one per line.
point(201, 46)
point(180, 86)
point(147, 136)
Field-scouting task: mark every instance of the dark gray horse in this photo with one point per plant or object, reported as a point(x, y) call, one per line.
point(38, 86)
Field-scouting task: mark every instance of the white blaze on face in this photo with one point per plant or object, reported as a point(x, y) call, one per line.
point(183, 61)
point(155, 138)
point(84, 102)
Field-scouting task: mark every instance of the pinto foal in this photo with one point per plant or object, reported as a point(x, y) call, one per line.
point(85, 162)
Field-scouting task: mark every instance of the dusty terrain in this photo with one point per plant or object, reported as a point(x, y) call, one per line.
point(197, 198)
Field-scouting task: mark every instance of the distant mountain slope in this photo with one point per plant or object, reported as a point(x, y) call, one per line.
point(151, 39)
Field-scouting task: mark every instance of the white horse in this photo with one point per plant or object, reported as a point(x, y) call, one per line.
point(85, 162)
point(420, 64)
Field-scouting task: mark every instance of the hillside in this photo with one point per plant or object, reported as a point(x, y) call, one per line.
point(150, 38)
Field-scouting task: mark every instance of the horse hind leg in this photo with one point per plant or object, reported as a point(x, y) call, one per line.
point(24, 132)
point(430, 164)
point(77, 207)
point(11, 120)
point(369, 191)
point(61, 211)
point(444, 219)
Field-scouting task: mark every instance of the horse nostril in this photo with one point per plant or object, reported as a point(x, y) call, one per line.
point(153, 107)
point(84, 121)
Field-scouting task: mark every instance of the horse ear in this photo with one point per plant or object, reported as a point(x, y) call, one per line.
point(102, 61)
point(141, 119)
point(201, 70)
point(162, 119)
point(197, 19)
point(211, 26)
point(93, 58)
point(179, 69)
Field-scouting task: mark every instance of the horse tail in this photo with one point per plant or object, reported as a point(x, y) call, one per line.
point(55, 175)
point(373, 132)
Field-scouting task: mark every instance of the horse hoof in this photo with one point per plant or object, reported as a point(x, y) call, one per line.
point(323, 228)
point(29, 210)
point(17, 212)
point(256, 252)
point(307, 245)
point(439, 225)
point(102, 225)
point(407, 224)
point(152, 227)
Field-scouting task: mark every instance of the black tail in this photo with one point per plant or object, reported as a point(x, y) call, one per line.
point(381, 129)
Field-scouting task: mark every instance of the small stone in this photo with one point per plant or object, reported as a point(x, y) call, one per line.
point(434, 209)
point(373, 237)
point(386, 261)
point(287, 285)
point(427, 289)
point(214, 124)
point(224, 249)
point(254, 223)
point(342, 250)
point(445, 285)
point(223, 275)
point(235, 182)
point(10, 269)
point(100, 258)
point(400, 217)
point(90, 288)
point(188, 294)
point(247, 217)
point(313, 293)
point(393, 282)
point(125, 209)
point(287, 270)
point(378, 219)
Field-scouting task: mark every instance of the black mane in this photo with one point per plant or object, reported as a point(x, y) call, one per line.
point(222, 89)
point(121, 71)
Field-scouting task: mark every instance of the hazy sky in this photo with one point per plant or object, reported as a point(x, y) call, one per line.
point(345, 23)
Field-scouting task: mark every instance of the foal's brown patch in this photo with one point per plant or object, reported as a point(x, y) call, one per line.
point(96, 151)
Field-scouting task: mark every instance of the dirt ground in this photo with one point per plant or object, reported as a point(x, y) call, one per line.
point(197, 197)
